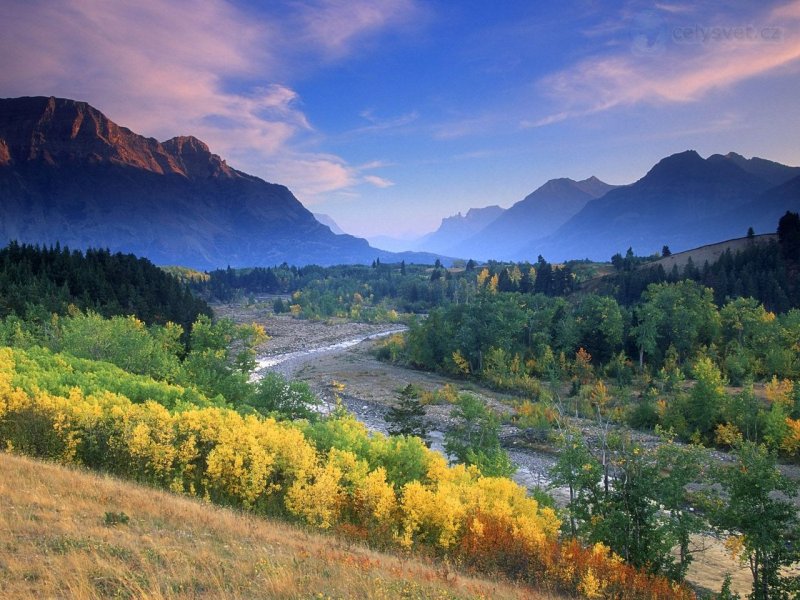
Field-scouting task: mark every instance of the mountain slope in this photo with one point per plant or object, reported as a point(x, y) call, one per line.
point(454, 230)
point(69, 174)
point(536, 216)
point(328, 221)
point(773, 172)
point(767, 209)
point(680, 202)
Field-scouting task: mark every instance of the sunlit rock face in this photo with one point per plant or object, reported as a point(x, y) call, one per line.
point(68, 174)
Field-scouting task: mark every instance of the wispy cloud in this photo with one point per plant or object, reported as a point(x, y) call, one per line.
point(378, 182)
point(376, 123)
point(335, 24)
point(200, 67)
point(470, 125)
point(676, 8)
point(696, 60)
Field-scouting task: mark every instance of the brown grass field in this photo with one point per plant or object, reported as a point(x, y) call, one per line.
point(711, 252)
point(58, 539)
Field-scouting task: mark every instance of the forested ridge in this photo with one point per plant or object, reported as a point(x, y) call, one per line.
point(37, 281)
point(766, 272)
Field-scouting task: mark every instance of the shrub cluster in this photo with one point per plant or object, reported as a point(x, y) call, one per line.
point(332, 474)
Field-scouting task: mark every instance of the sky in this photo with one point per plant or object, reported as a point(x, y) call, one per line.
point(389, 115)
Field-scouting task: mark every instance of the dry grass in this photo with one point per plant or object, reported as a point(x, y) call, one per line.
point(712, 561)
point(710, 252)
point(56, 541)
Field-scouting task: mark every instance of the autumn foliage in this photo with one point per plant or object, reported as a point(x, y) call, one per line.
point(390, 492)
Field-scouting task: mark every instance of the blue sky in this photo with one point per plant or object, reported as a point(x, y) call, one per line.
point(391, 114)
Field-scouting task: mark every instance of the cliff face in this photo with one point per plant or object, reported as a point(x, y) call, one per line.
point(63, 132)
point(70, 174)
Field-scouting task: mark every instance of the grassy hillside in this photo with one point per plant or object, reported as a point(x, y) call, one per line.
point(66, 533)
point(710, 253)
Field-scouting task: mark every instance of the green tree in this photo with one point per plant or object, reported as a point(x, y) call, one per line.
point(679, 466)
point(645, 332)
point(628, 516)
point(646, 512)
point(407, 416)
point(221, 358)
point(124, 341)
point(600, 326)
point(757, 503)
point(474, 439)
point(707, 398)
point(789, 235)
point(291, 400)
point(580, 471)
point(683, 315)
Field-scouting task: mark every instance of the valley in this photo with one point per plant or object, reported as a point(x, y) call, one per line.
point(398, 299)
point(371, 386)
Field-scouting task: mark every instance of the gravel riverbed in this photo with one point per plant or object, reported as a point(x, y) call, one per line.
point(321, 353)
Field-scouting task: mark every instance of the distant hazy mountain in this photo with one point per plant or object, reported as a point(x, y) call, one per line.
point(683, 201)
point(68, 174)
point(328, 221)
point(392, 244)
point(538, 215)
point(454, 230)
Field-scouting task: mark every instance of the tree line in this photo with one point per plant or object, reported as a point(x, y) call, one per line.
point(36, 282)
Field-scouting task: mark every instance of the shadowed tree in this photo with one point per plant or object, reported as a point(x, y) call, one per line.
point(407, 416)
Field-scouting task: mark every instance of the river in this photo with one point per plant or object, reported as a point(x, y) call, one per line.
point(532, 467)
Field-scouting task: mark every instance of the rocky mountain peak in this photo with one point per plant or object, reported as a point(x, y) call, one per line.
point(61, 132)
point(195, 158)
point(70, 175)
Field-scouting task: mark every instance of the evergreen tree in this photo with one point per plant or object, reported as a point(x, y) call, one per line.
point(789, 235)
point(407, 417)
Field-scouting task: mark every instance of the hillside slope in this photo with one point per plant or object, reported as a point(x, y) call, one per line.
point(63, 537)
point(709, 253)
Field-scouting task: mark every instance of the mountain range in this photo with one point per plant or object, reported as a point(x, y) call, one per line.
point(69, 174)
point(538, 215)
point(683, 202)
point(454, 230)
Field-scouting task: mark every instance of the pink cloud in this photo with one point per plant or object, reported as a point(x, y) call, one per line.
point(166, 68)
point(335, 24)
point(378, 182)
point(696, 62)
